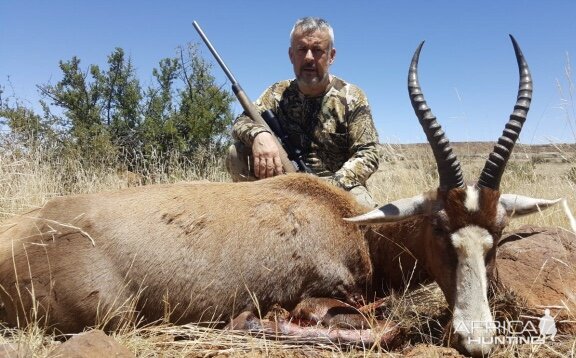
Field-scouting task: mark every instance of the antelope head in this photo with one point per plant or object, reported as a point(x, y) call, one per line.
point(463, 223)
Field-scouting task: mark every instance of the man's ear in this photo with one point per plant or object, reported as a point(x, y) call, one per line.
point(290, 53)
point(332, 55)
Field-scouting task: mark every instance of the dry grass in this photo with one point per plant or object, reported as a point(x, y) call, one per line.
point(549, 172)
point(27, 181)
point(538, 171)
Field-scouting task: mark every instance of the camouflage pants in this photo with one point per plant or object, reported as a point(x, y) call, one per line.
point(239, 165)
point(363, 196)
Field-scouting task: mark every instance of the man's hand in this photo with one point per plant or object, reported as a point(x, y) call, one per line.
point(266, 156)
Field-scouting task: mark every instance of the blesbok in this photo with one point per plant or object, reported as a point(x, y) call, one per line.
point(194, 252)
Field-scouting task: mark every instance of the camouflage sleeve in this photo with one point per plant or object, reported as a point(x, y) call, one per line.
point(244, 128)
point(363, 146)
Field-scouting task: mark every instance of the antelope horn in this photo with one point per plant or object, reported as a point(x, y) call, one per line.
point(449, 170)
point(496, 162)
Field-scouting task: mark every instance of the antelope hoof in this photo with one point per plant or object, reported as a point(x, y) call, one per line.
point(245, 321)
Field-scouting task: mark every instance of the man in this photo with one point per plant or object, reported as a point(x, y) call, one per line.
point(328, 119)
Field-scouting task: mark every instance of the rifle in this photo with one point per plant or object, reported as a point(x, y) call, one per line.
point(295, 154)
point(269, 122)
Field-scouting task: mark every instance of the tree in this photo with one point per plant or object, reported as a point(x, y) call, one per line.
point(121, 96)
point(204, 111)
point(100, 108)
point(107, 117)
point(27, 130)
point(80, 101)
point(186, 111)
point(157, 129)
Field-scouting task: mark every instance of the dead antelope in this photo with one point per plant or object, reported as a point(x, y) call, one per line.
point(204, 251)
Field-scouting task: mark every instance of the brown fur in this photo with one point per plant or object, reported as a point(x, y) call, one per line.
point(419, 249)
point(201, 249)
point(207, 251)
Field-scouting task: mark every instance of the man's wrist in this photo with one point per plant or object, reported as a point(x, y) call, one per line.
point(255, 132)
point(343, 181)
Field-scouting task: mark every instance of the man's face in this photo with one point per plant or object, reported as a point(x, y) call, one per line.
point(311, 56)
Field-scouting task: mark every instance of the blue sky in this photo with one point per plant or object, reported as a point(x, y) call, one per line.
point(467, 68)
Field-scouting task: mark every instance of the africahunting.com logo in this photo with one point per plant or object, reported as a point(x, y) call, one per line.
point(511, 332)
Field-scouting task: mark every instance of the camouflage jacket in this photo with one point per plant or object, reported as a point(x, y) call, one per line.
point(335, 131)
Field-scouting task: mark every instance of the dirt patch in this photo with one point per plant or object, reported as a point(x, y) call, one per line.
point(430, 351)
point(538, 267)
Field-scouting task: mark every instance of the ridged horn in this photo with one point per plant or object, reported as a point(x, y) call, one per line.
point(496, 162)
point(449, 170)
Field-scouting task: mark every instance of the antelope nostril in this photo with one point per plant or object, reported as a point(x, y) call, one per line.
point(468, 345)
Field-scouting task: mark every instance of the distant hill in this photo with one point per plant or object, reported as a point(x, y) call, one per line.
point(544, 152)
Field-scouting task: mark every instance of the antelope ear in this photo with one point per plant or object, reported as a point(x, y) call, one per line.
point(519, 205)
point(394, 211)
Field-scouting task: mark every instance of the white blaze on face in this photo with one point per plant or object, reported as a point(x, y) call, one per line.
point(472, 319)
point(472, 201)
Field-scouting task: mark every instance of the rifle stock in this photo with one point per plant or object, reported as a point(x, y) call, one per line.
point(245, 102)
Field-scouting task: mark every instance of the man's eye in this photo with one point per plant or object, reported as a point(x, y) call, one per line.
point(316, 52)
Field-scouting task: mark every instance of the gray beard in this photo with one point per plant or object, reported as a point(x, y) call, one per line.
point(312, 82)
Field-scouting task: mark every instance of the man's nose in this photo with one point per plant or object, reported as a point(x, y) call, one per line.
point(309, 55)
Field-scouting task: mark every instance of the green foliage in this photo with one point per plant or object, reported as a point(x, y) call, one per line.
point(25, 125)
point(188, 118)
point(86, 100)
point(105, 117)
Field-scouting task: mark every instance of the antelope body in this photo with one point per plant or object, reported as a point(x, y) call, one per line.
point(181, 244)
point(206, 251)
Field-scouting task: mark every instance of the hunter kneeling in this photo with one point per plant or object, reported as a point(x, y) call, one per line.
point(325, 118)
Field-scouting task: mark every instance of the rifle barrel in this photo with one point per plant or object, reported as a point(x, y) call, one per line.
point(215, 53)
point(249, 108)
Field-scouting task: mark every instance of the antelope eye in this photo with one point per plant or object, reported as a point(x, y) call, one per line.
point(439, 227)
point(439, 230)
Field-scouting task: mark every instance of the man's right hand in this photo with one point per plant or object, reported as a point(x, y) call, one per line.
point(266, 156)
